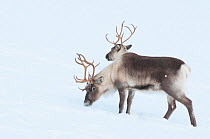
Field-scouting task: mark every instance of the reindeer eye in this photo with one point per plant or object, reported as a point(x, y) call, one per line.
point(117, 47)
point(93, 88)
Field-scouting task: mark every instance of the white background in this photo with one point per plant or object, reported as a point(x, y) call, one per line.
point(39, 41)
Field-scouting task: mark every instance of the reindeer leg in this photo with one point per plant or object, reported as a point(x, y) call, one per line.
point(171, 107)
point(129, 100)
point(180, 96)
point(188, 104)
point(122, 99)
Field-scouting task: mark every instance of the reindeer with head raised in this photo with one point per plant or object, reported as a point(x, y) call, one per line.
point(150, 65)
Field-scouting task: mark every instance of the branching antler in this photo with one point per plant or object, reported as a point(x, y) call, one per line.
point(120, 35)
point(132, 32)
point(82, 61)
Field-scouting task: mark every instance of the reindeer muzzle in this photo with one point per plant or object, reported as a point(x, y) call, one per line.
point(88, 103)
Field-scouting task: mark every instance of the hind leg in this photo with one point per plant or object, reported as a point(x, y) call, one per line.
point(171, 107)
point(180, 96)
point(188, 104)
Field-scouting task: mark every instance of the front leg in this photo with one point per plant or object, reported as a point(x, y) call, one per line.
point(122, 99)
point(129, 100)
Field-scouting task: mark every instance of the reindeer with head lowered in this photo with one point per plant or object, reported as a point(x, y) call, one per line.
point(131, 72)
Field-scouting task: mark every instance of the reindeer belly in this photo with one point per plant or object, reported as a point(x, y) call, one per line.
point(143, 87)
point(146, 83)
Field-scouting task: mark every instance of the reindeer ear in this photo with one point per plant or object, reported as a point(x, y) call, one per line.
point(99, 80)
point(89, 76)
point(128, 47)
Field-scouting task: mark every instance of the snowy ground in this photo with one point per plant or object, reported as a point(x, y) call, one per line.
point(39, 41)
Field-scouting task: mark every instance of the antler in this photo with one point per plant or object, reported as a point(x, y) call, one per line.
point(82, 62)
point(134, 29)
point(120, 35)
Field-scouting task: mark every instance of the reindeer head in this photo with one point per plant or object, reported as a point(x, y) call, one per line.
point(94, 91)
point(94, 87)
point(119, 49)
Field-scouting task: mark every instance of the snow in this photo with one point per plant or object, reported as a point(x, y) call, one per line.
point(39, 41)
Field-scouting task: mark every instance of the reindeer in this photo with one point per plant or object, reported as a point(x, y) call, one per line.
point(120, 49)
point(134, 72)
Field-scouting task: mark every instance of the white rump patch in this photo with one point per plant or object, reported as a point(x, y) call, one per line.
point(181, 77)
point(184, 70)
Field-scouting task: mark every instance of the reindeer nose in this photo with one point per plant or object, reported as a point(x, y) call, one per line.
point(107, 57)
point(87, 103)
